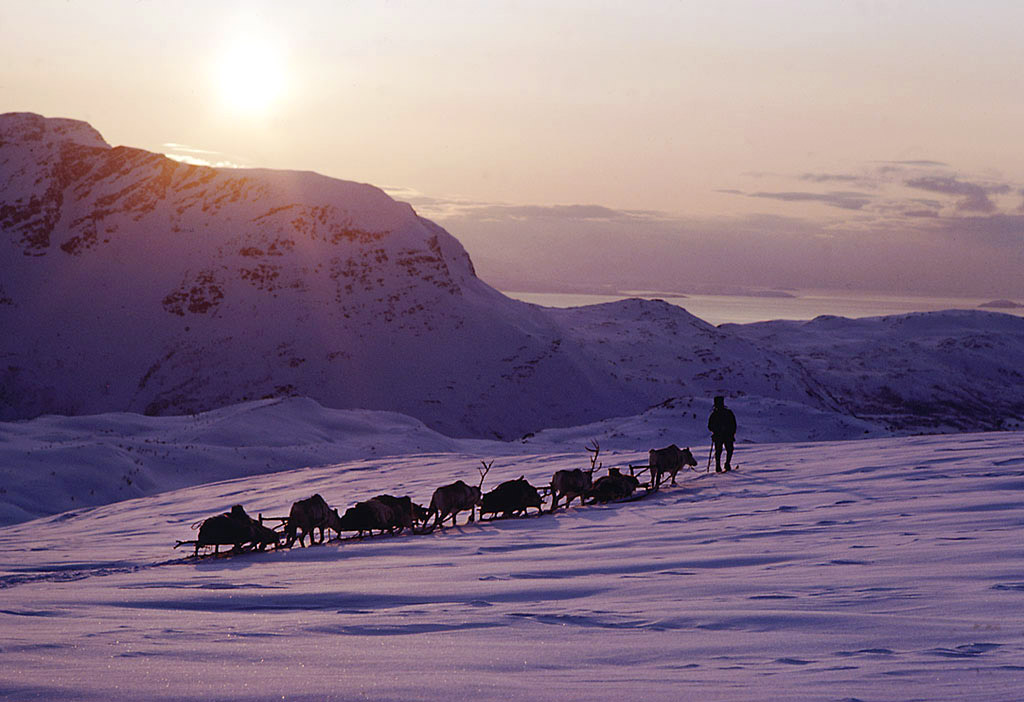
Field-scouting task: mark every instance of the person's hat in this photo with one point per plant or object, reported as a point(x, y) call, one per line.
point(719, 399)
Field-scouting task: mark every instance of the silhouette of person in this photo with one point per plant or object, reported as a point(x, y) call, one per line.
point(722, 425)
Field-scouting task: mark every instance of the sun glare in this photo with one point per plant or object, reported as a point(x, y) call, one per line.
point(250, 77)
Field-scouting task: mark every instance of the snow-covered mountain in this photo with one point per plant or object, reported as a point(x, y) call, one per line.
point(942, 371)
point(130, 282)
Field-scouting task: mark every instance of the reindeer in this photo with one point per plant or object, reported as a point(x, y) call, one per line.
point(668, 460)
point(574, 483)
point(235, 528)
point(366, 516)
point(308, 515)
point(405, 513)
point(449, 500)
point(511, 498)
point(614, 486)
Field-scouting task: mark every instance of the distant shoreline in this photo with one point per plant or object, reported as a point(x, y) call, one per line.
point(1002, 304)
point(765, 306)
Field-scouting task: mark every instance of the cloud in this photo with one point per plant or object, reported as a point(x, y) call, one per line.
point(882, 195)
point(454, 208)
point(929, 253)
point(999, 231)
point(185, 148)
point(921, 163)
point(902, 245)
point(974, 197)
point(908, 207)
point(842, 199)
point(832, 178)
point(903, 226)
point(434, 207)
point(561, 212)
point(201, 157)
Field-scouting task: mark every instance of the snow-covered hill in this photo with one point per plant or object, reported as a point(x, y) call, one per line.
point(940, 371)
point(883, 569)
point(659, 351)
point(53, 464)
point(683, 421)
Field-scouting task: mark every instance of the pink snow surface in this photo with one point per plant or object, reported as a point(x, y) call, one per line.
point(882, 569)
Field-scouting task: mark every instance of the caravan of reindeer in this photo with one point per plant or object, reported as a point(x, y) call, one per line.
point(393, 515)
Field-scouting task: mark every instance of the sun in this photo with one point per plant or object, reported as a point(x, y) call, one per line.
point(250, 76)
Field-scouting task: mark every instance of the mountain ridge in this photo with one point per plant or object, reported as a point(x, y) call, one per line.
point(138, 283)
point(135, 283)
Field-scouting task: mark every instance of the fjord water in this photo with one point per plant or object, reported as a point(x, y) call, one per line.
point(744, 309)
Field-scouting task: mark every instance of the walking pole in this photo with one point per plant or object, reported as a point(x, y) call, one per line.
point(710, 450)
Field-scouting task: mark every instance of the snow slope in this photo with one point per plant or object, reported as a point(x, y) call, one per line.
point(53, 464)
point(884, 569)
point(684, 421)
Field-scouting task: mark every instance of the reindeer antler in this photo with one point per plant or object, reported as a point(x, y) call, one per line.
point(483, 472)
point(596, 450)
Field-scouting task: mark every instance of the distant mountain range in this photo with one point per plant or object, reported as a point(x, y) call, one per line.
point(958, 370)
point(132, 282)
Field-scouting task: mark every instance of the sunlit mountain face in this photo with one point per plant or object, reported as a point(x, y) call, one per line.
point(133, 282)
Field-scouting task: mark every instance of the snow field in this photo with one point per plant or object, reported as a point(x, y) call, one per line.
point(54, 464)
point(884, 569)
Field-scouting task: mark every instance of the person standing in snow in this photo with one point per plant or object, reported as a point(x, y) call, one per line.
point(722, 425)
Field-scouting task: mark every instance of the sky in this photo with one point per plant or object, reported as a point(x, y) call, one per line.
point(586, 144)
